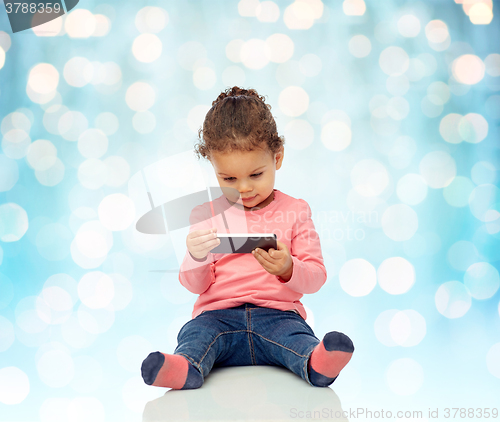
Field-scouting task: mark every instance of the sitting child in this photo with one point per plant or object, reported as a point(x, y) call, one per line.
point(248, 311)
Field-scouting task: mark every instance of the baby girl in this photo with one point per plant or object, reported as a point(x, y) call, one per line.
point(248, 311)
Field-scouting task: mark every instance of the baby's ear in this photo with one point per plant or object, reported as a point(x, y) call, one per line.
point(279, 157)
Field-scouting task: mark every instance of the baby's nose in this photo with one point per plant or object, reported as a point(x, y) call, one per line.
point(244, 187)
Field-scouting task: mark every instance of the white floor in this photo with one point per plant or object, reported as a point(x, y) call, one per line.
point(246, 393)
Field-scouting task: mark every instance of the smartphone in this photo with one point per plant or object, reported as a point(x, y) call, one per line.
point(244, 242)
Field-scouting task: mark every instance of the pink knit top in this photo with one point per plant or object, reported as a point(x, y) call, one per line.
point(227, 280)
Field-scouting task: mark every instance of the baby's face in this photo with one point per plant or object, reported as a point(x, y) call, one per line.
point(251, 173)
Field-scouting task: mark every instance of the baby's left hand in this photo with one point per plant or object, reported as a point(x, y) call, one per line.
point(277, 262)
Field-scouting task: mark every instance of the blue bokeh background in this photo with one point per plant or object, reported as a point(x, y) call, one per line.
point(390, 111)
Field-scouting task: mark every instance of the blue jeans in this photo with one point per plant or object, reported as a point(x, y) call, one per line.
point(247, 335)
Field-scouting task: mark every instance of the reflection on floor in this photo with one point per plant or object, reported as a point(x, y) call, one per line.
point(260, 393)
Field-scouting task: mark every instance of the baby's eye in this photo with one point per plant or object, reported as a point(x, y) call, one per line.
point(230, 179)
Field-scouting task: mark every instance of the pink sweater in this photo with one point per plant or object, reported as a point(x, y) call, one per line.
point(227, 280)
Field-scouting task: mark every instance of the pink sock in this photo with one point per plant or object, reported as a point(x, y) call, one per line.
point(171, 371)
point(329, 357)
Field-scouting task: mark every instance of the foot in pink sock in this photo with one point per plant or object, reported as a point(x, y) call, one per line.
point(171, 371)
point(329, 358)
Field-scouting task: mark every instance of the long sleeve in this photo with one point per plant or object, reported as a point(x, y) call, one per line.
point(309, 272)
point(197, 275)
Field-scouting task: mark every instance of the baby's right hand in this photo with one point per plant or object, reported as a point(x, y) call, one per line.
point(200, 242)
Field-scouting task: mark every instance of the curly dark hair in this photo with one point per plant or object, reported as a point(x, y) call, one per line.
point(239, 120)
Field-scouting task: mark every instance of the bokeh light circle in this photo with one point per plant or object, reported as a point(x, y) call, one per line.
point(281, 47)
point(437, 35)
point(116, 212)
point(78, 71)
point(13, 222)
point(267, 11)
point(482, 280)
point(16, 143)
point(255, 53)
point(409, 26)
point(93, 241)
point(140, 96)
point(53, 175)
point(42, 155)
point(473, 128)
point(448, 128)
point(71, 125)
point(405, 328)
point(151, 19)
point(492, 63)
point(468, 69)
point(357, 277)
point(354, 7)
point(96, 289)
point(452, 299)
point(301, 14)
point(293, 101)
point(438, 169)
point(360, 46)
point(147, 48)
point(396, 275)
point(336, 135)
point(14, 385)
point(394, 61)
point(80, 23)
point(92, 173)
point(482, 200)
point(43, 78)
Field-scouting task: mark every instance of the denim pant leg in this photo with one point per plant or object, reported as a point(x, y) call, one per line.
point(282, 338)
point(215, 338)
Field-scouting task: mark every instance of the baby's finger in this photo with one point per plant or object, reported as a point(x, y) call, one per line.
point(263, 255)
point(258, 257)
point(208, 245)
point(213, 244)
point(197, 233)
point(273, 253)
point(201, 237)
